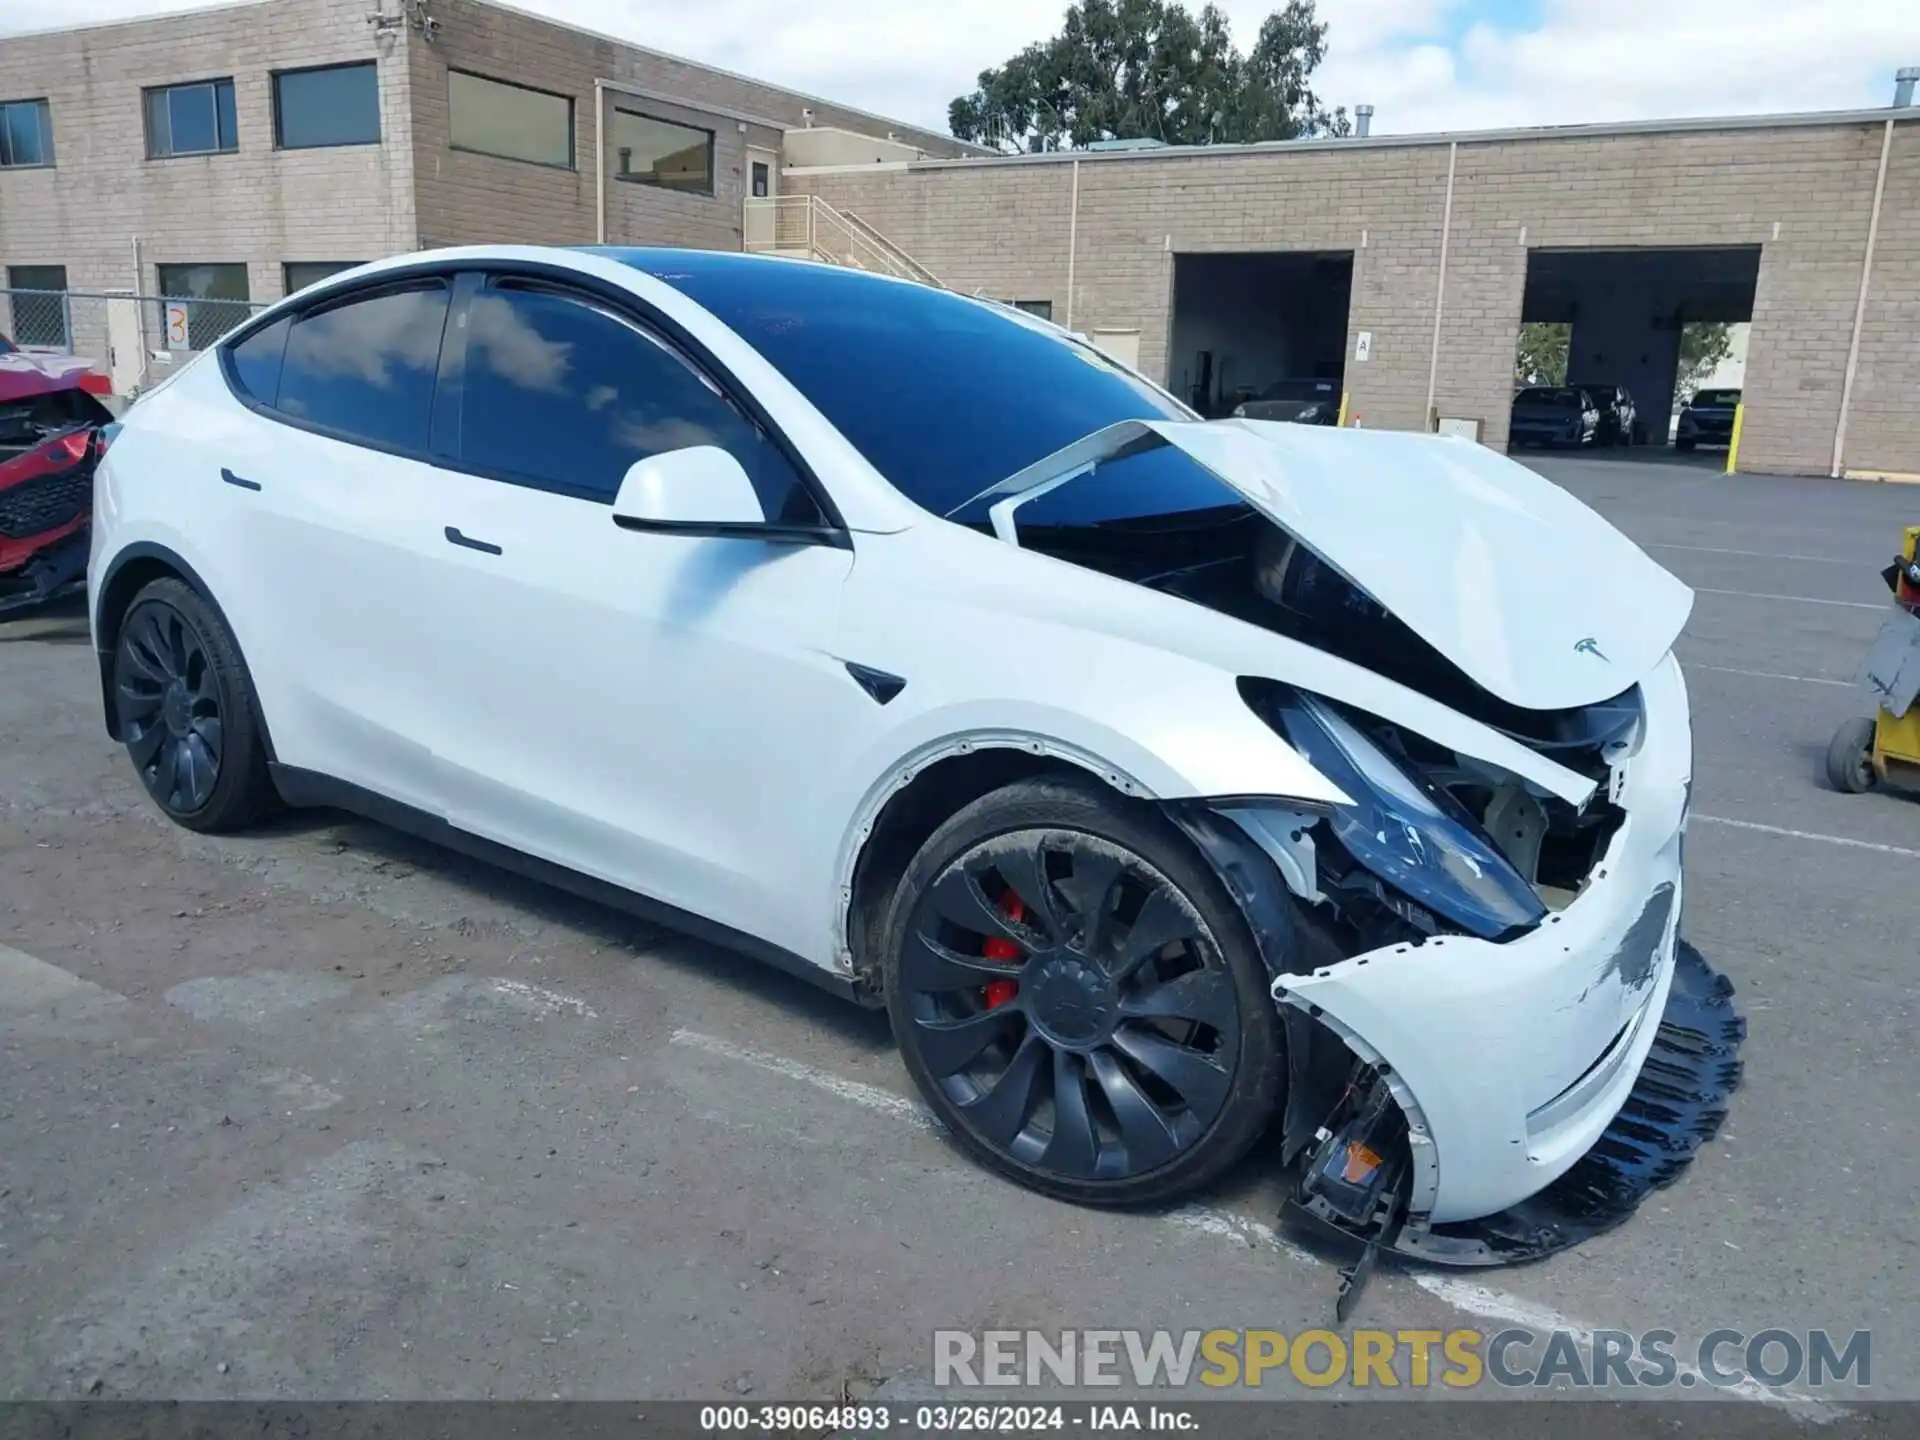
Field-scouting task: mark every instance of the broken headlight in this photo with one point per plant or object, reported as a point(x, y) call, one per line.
point(1404, 833)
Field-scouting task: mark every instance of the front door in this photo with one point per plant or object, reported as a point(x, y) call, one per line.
point(763, 187)
point(649, 708)
point(126, 353)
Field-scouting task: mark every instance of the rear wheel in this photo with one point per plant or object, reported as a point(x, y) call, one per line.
point(1683, 445)
point(187, 712)
point(1850, 757)
point(1078, 998)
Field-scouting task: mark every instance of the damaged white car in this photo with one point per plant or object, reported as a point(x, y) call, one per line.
point(1174, 784)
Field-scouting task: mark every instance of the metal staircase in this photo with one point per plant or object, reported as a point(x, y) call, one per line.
point(808, 227)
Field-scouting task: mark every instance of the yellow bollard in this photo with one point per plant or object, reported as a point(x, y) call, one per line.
point(1341, 423)
point(1733, 444)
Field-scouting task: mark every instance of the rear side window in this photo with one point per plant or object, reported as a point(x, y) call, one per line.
point(364, 369)
point(256, 361)
point(566, 395)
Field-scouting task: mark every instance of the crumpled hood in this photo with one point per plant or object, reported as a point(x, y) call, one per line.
point(27, 373)
point(1532, 595)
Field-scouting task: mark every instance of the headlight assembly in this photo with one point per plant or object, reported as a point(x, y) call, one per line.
point(1403, 834)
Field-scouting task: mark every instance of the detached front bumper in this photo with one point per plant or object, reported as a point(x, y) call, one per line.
point(1596, 1047)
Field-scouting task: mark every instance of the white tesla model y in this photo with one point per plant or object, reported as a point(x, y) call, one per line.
point(1171, 782)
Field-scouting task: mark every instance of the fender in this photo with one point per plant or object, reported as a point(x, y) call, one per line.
point(103, 587)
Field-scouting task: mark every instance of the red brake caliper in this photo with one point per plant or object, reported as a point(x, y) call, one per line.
point(999, 992)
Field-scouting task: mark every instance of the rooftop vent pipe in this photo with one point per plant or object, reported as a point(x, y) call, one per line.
point(1903, 79)
point(1363, 116)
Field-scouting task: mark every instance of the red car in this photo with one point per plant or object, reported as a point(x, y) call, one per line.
point(52, 432)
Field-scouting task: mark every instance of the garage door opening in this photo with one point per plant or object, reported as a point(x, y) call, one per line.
point(1245, 326)
point(1656, 324)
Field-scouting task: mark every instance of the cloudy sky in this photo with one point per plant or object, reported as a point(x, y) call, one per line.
point(1423, 64)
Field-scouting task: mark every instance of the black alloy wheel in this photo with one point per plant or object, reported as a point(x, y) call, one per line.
point(1066, 1006)
point(184, 709)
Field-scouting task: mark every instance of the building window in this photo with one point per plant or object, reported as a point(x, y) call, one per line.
point(194, 119)
point(761, 174)
point(200, 303)
point(649, 151)
point(491, 117)
point(39, 303)
point(1042, 308)
point(301, 273)
point(333, 105)
point(26, 133)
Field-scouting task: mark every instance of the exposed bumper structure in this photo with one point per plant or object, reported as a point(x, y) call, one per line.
point(1512, 1061)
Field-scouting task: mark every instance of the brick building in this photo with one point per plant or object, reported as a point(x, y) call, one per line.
point(1448, 242)
point(229, 153)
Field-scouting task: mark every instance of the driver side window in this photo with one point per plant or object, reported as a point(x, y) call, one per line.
point(564, 395)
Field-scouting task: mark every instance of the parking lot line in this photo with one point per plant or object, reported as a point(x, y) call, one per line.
point(1502, 1308)
point(871, 1096)
point(1749, 554)
point(1796, 599)
point(1782, 830)
point(1767, 674)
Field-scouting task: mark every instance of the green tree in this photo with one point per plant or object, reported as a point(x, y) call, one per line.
point(1152, 69)
point(1540, 356)
point(1703, 345)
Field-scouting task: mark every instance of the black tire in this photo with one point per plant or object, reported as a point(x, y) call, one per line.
point(185, 708)
point(1167, 1037)
point(1850, 757)
point(1683, 445)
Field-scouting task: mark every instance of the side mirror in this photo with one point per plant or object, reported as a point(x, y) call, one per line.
point(701, 489)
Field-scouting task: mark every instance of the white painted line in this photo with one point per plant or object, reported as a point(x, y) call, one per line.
point(1767, 674)
point(30, 984)
point(547, 1002)
point(1782, 830)
point(1497, 1305)
point(1241, 1230)
point(1749, 554)
point(1245, 1233)
point(871, 1096)
point(1795, 599)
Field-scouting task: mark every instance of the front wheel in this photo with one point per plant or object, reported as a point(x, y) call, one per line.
point(1850, 757)
point(1078, 998)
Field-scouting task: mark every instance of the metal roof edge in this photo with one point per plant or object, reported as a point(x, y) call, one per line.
point(1814, 119)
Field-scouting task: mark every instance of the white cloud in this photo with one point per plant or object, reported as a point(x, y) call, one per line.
point(1423, 64)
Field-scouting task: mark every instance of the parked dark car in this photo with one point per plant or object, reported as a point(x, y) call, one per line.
point(1619, 416)
point(1554, 415)
point(1707, 419)
point(1304, 402)
point(51, 435)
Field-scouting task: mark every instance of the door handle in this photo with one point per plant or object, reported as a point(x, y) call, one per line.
point(240, 480)
point(470, 543)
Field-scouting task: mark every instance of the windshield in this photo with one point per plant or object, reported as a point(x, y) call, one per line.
point(1557, 398)
point(1716, 397)
point(1298, 390)
point(943, 395)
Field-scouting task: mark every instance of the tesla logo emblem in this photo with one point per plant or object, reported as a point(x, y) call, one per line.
point(1589, 646)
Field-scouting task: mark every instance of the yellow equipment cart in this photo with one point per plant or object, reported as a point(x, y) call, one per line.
point(1885, 748)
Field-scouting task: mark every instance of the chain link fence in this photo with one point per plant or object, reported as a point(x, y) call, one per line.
point(137, 339)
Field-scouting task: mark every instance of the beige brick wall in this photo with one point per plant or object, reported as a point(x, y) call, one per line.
point(1800, 193)
point(1885, 413)
point(468, 198)
point(259, 206)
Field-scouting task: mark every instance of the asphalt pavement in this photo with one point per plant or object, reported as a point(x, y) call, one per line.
point(321, 1111)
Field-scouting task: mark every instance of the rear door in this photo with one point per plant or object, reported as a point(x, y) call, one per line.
point(647, 707)
point(335, 490)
